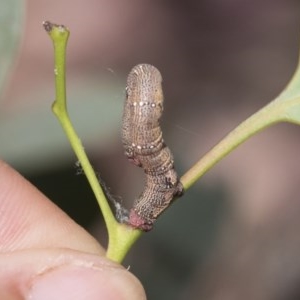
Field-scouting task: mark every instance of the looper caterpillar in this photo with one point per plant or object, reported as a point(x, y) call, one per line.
point(144, 146)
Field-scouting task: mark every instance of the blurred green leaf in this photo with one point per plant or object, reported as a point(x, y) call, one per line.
point(32, 138)
point(11, 22)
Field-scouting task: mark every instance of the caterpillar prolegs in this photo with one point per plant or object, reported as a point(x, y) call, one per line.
point(144, 146)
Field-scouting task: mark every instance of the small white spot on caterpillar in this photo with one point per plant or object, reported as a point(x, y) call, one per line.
point(133, 144)
point(134, 104)
point(141, 103)
point(139, 147)
point(153, 104)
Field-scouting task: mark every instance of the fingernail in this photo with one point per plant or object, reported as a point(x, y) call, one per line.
point(78, 283)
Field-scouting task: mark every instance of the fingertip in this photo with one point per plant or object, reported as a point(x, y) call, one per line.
point(78, 276)
point(79, 283)
point(30, 220)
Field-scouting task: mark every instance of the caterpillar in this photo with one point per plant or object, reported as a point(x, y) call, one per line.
point(144, 146)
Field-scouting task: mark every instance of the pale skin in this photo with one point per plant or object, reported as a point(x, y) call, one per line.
point(46, 255)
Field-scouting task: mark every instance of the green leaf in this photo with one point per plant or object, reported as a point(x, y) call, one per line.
point(11, 24)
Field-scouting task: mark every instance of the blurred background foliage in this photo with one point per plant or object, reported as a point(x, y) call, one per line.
point(234, 234)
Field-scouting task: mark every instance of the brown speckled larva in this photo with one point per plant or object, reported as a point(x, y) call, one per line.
point(144, 146)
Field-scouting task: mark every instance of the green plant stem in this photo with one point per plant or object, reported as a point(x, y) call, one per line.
point(59, 107)
point(121, 241)
point(121, 237)
point(265, 117)
point(284, 108)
